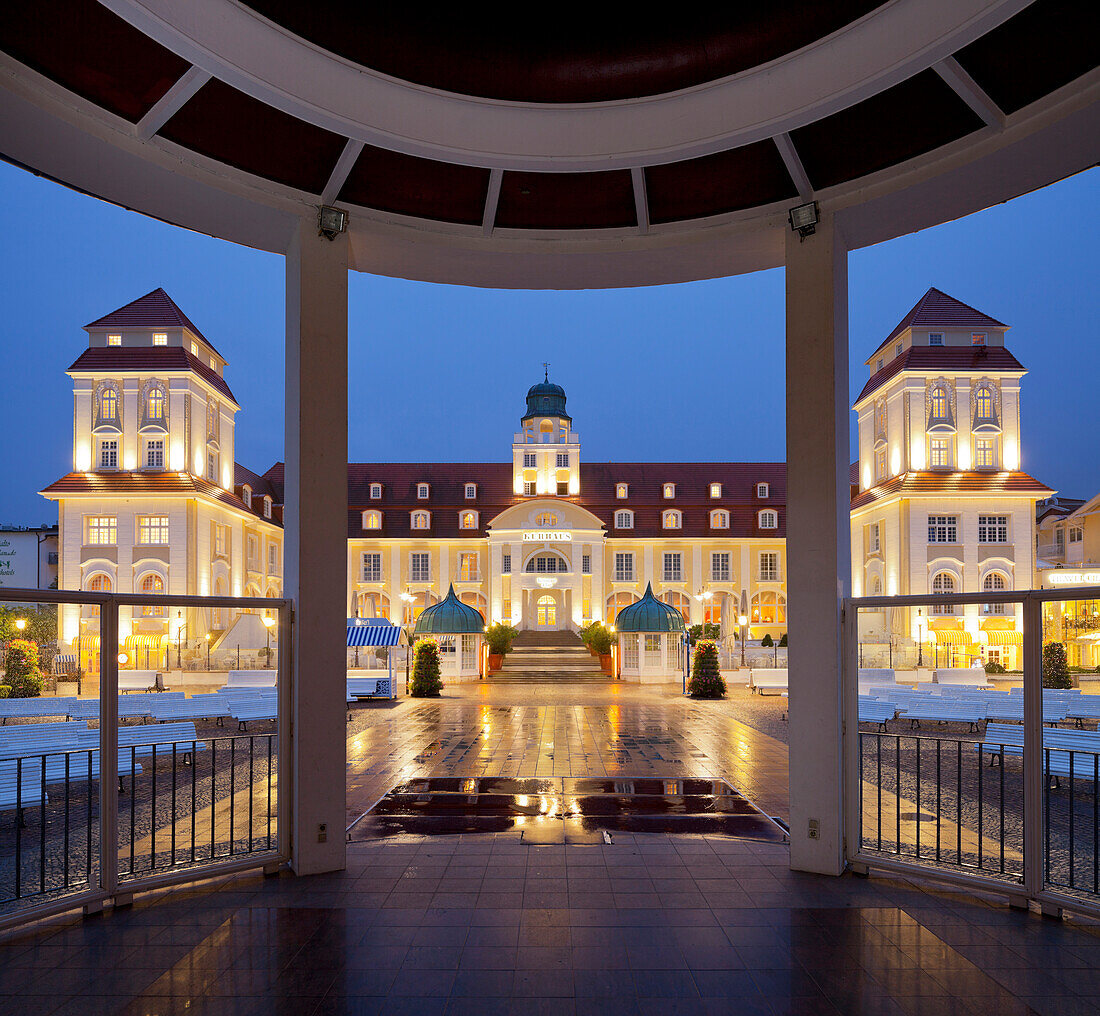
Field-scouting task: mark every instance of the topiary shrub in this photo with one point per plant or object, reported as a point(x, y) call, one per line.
point(426, 680)
point(706, 679)
point(499, 638)
point(705, 631)
point(767, 642)
point(5, 691)
point(23, 676)
point(599, 638)
point(993, 667)
point(1055, 667)
point(783, 641)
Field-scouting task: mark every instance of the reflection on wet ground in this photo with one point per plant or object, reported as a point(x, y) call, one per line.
point(564, 810)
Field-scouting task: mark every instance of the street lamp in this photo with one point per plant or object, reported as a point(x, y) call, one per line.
point(179, 625)
point(20, 623)
point(268, 622)
point(743, 620)
point(920, 637)
point(208, 650)
point(702, 596)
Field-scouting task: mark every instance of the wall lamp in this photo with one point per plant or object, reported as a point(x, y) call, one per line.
point(331, 222)
point(803, 219)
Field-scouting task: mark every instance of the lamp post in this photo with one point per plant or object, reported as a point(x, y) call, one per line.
point(743, 621)
point(920, 637)
point(702, 596)
point(208, 650)
point(20, 624)
point(179, 626)
point(268, 622)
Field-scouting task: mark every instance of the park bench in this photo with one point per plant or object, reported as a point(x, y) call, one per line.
point(130, 707)
point(1061, 749)
point(28, 708)
point(252, 679)
point(142, 740)
point(140, 680)
point(876, 677)
point(876, 710)
point(768, 680)
point(197, 707)
point(1012, 710)
point(936, 709)
point(51, 743)
point(369, 687)
point(21, 787)
point(974, 677)
point(262, 708)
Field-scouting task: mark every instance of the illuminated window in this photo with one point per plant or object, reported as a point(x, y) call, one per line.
point(153, 584)
point(372, 568)
point(769, 608)
point(213, 364)
point(943, 584)
point(621, 490)
point(881, 417)
point(375, 491)
point(467, 520)
point(720, 567)
point(983, 453)
point(983, 404)
point(114, 340)
point(769, 566)
point(720, 519)
point(471, 491)
point(761, 490)
point(624, 520)
point(221, 541)
point(99, 584)
point(267, 507)
point(994, 582)
point(977, 338)
point(160, 338)
point(154, 404)
point(100, 530)
point(716, 490)
point(670, 520)
point(940, 452)
point(108, 455)
point(372, 520)
point(467, 568)
point(669, 491)
point(421, 520)
point(108, 405)
point(246, 495)
point(154, 454)
point(422, 491)
point(546, 519)
point(153, 529)
point(769, 519)
point(939, 403)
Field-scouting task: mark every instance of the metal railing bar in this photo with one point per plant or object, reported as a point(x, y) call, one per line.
point(42, 831)
point(232, 791)
point(65, 851)
point(1072, 819)
point(173, 802)
point(981, 807)
point(939, 796)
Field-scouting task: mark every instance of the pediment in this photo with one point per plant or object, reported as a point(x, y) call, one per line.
point(530, 516)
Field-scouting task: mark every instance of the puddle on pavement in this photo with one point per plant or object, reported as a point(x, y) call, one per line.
point(564, 810)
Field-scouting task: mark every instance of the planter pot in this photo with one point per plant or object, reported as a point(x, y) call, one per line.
point(495, 661)
point(593, 651)
point(605, 665)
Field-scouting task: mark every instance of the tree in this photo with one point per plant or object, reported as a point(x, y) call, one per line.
point(425, 676)
point(783, 641)
point(706, 679)
point(23, 676)
point(1055, 667)
point(705, 631)
point(767, 641)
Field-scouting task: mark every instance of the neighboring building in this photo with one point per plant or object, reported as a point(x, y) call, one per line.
point(28, 557)
point(152, 504)
point(940, 504)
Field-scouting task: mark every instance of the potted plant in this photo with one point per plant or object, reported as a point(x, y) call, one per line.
point(426, 679)
point(706, 678)
point(600, 645)
point(499, 638)
point(586, 635)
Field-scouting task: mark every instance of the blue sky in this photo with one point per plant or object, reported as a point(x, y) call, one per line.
point(689, 372)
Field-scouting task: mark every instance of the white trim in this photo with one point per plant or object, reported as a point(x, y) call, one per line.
point(171, 102)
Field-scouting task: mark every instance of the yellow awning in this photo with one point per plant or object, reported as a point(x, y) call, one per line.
point(145, 641)
point(951, 638)
point(1000, 637)
point(86, 643)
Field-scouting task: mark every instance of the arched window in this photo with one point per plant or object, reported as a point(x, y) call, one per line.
point(939, 403)
point(421, 520)
point(769, 519)
point(670, 519)
point(624, 520)
point(153, 584)
point(108, 405)
point(720, 519)
point(372, 520)
point(994, 582)
point(545, 520)
point(547, 563)
point(983, 404)
point(769, 608)
point(876, 588)
point(680, 601)
point(943, 584)
point(616, 602)
point(880, 416)
point(621, 490)
point(467, 520)
point(98, 584)
point(219, 615)
point(154, 404)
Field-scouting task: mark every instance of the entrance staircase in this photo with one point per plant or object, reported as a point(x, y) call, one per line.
point(557, 657)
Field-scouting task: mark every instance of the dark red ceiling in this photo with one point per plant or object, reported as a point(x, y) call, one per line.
point(591, 54)
point(566, 200)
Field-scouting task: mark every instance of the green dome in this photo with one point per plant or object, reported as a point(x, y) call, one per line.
point(649, 615)
point(546, 399)
point(449, 617)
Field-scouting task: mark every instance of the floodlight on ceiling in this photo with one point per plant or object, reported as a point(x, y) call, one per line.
point(803, 219)
point(331, 222)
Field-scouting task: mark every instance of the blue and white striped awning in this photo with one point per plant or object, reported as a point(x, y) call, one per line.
point(373, 631)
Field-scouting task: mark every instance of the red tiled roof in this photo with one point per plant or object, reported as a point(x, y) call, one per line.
point(938, 310)
point(598, 480)
point(135, 484)
point(150, 311)
point(260, 485)
point(947, 358)
point(915, 484)
point(149, 358)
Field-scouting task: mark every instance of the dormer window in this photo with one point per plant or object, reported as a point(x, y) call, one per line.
point(761, 490)
point(213, 364)
point(716, 490)
point(935, 338)
point(375, 491)
point(372, 520)
point(246, 495)
point(880, 364)
point(471, 491)
point(160, 338)
point(624, 520)
point(897, 349)
point(194, 348)
point(621, 491)
point(467, 520)
point(267, 507)
point(768, 519)
point(114, 340)
point(669, 491)
point(720, 519)
point(421, 520)
point(671, 519)
point(977, 338)
point(422, 491)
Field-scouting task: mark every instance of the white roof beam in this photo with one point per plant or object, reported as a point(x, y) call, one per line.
point(492, 199)
point(641, 199)
point(340, 171)
point(795, 169)
point(967, 89)
point(169, 104)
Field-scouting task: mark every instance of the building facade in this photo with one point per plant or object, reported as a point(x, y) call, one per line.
point(940, 504)
point(28, 557)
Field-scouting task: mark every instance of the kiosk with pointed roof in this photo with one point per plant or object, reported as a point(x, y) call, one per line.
point(651, 641)
point(458, 629)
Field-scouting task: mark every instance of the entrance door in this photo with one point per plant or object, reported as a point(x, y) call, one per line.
point(546, 612)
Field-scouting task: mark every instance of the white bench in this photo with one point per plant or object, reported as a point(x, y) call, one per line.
point(1012, 711)
point(26, 708)
point(369, 687)
point(876, 710)
point(197, 707)
point(875, 677)
point(1058, 747)
point(143, 740)
point(265, 708)
point(53, 743)
point(20, 787)
point(973, 677)
point(139, 680)
point(768, 680)
point(940, 711)
point(252, 679)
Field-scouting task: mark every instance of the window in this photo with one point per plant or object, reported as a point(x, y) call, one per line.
point(506, 569)
point(100, 531)
point(670, 520)
point(1060, 539)
point(983, 453)
point(153, 529)
point(272, 558)
point(160, 338)
point(720, 519)
point(108, 455)
point(246, 495)
point(880, 418)
point(943, 529)
point(983, 404)
point(421, 520)
point(267, 507)
point(624, 520)
point(467, 520)
point(529, 488)
point(563, 460)
point(114, 340)
point(99, 584)
point(624, 567)
point(880, 464)
point(221, 541)
point(716, 490)
point(940, 452)
point(108, 405)
point(544, 520)
point(530, 460)
point(769, 566)
point(897, 349)
point(154, 454)
point(621, 490)
point(873, 544)
point(977, 338)
point(1076, 534)
point(880, 364)
point(153, 584)
point(993, 529)
point(194, 348)
point(994, 582)
point(419, 568)
point(253, 554)
point(761, 490)
point(669, 491)
point(422, 491)
point(372, 568)
point(372, 520)
point(935, 338)
point(546, 563)
point(154, 404)
point(375, 491)
point(673, 569)
point(939, 403)
point(769, 608)
point(769, 519)
point(720, 567)
point(471, 491)
point(467, 568)
point(943, 584)
point(586, 564)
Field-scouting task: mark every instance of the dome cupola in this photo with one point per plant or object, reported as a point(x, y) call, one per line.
point(545, 399)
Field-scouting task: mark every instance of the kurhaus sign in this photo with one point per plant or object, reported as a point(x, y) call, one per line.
point(547, 536)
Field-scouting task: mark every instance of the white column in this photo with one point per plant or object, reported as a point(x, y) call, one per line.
point(599, 590)
point(818, 539)
point(316, 539)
